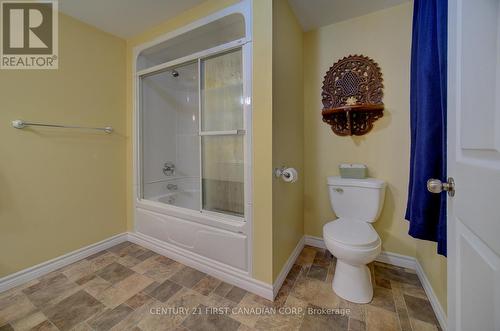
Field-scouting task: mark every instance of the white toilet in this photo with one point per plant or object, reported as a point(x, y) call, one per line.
point(351, 238)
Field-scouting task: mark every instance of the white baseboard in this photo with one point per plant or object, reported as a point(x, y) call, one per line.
point(404, 262)
point(288, 266)
point(398, 260)
point(436, 305)
point(314, 241)
point(44, 268)
point(222, 271)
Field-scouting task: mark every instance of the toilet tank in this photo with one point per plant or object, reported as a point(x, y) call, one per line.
point(356, 199)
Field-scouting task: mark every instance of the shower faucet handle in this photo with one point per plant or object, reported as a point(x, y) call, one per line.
point(172, 187)
point(168, 169)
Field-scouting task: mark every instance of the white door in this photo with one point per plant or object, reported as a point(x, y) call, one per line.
point(474, 163)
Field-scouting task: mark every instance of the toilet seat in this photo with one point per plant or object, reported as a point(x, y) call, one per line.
point(356, 234)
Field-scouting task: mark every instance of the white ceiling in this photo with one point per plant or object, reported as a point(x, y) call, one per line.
point(125, 18)
point(313, 14)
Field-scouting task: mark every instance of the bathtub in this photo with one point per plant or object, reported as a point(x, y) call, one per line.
point(187, 198)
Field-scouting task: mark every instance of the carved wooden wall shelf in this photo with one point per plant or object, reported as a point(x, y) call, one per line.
point(352, 95)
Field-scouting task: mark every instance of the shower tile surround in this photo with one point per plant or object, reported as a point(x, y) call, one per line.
point(170, 132)
point(170, 127)
point(128, 287)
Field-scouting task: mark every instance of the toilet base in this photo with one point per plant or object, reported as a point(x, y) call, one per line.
point(353, 283)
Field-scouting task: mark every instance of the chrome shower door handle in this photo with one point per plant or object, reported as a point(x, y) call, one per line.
point(436, 186)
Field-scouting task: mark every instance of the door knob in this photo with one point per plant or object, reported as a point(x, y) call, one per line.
point(436, 186)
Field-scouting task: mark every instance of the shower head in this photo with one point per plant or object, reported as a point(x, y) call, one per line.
point(175, 73)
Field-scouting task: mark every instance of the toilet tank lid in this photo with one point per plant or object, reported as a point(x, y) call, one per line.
point(366, 182)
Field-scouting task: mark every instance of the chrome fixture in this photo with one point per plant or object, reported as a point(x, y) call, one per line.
point(20, 124)
point(175, 73)
point(436, 186)
point(172, 187)
point(169, 169)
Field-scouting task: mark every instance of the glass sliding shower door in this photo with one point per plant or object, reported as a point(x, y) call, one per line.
point(222, 131)
point(170, 140)
point(193, 135)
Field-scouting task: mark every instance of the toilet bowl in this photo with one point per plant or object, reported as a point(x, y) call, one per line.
point(351, 238)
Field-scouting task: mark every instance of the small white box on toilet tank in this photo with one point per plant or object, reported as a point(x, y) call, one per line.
point(353, 170)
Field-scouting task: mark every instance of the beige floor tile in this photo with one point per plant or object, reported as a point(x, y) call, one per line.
point(130, 322)
point(96, 286)
point(383, 298)
point(117, 249)
point(113, 296)
point(134, 283)
point(279, 322)
point(135, 273)
point(78, 270)
point(170, 319)
point(29, 322)
point(315, 292)
point(129, 261)
point(248, 311)
point(416, 291)
point(114, 272)
point(420, 309)
point(214, 300)
point(83, 326)
point(18, 289)
point(50, 290)
point(109, 318)
point(14, 307)
point(73, 310)
point(138, 300)
point(102, 261)
point(418, 325)
point(401, 310)
point(356, 325)
point(187, 277)
point(207, 285)
point(156, 270)
point(208, 321)
point(306, 257)
point(46, 326)
point(356, 311)
point(323, 321)
point(379, 319)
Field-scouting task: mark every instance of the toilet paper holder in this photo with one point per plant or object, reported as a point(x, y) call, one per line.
point(278, 172)
point(281, 173)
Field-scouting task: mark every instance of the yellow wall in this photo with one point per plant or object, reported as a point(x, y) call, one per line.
point(435, 267)
point(262, 121)
point(262, 109)
point(385, 36)
point(288, 132)
point(63, 189)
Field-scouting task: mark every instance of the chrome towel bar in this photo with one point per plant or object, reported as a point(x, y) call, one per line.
point(20, 124)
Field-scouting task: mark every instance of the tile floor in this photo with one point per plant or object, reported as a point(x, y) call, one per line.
point(131, 288)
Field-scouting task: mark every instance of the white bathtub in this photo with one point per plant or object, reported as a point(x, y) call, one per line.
point(181, 198)
point(213, 241)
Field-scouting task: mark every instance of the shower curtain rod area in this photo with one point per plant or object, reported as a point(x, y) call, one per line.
point(20, 124)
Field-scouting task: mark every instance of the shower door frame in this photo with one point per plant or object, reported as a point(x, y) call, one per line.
point(239, 225)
